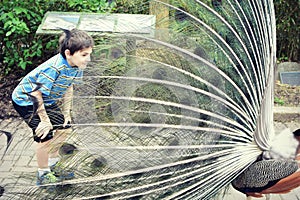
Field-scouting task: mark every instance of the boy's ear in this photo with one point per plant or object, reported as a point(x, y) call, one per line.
point(67, 53)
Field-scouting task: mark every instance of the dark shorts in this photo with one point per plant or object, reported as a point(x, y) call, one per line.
point(32, 119)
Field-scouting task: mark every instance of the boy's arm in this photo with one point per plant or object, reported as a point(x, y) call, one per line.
point(67, 104)
point(45, 125)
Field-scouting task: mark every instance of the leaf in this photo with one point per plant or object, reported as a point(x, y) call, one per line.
point(13, 29)
point(8, 33)
point(22, 64)
point(7, 24)
point(10, 15)
point(19, 10)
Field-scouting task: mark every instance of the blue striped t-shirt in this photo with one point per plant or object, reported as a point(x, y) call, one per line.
point(52, 78)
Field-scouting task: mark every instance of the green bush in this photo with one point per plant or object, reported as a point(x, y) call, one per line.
point(20, 48)
point(97, 6)
point(19, 20)
point(288, 29)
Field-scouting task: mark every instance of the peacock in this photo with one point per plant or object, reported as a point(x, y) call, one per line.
point(181, 112)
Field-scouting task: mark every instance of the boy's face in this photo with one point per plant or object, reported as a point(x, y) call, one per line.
point(79, 58)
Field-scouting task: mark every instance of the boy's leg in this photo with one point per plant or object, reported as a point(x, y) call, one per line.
point(59, 137)
point(42, 154)
point(51, 144)
point(60, 133)
point(58, 167)
point(32, 119)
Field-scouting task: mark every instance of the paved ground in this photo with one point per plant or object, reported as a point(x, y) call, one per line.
point(18, 166)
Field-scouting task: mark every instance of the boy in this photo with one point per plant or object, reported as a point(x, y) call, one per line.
point(35, 99)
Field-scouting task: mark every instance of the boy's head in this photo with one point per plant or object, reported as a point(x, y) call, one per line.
point(75, 42)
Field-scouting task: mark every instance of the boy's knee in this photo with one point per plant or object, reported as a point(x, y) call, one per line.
point(43, 145)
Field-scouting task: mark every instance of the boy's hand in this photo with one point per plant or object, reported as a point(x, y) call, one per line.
point(43, 129)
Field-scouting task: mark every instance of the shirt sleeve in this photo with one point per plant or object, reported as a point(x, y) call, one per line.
point(46, 79)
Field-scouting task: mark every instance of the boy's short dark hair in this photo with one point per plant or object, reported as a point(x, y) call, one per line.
point(74, 40)
point(297, 132)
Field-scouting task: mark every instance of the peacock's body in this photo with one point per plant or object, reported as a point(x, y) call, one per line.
point(181, 113)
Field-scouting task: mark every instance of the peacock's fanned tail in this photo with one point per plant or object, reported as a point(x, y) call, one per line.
point(177, 109)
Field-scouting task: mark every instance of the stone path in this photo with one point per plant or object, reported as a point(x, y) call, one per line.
point(18, 166)
point(19, 159)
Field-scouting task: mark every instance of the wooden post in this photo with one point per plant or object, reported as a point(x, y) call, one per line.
point(161, 11)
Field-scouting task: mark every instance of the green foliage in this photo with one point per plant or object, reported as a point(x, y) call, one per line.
point(278, 101)
point(98, 6)
point(132, 7)
point(18, 46)
point(288, 29)
point(19, 20)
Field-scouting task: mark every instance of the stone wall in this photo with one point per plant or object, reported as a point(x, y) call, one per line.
point(287, 97)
